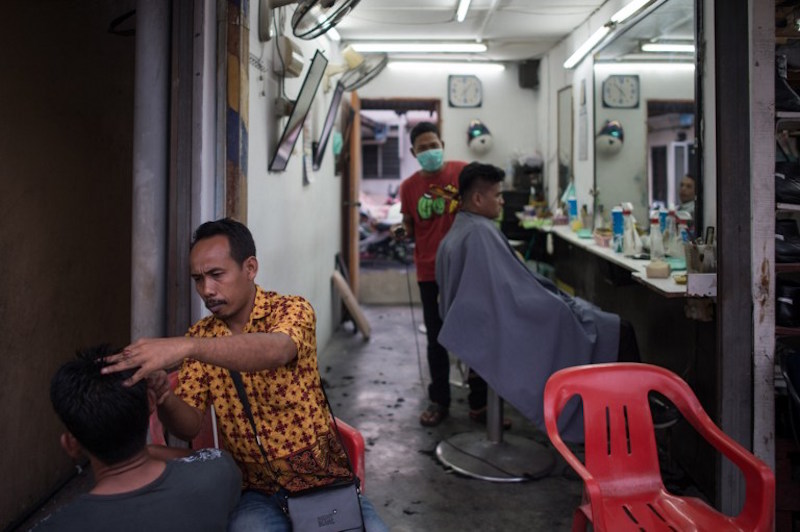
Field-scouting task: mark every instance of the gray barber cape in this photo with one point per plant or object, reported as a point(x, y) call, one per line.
point(514, 327)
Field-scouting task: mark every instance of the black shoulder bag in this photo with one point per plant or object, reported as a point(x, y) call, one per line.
point(332, 508)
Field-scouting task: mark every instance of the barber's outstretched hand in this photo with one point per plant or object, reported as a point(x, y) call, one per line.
point(149, 355)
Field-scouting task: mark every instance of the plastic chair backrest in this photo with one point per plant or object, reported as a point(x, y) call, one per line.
point(618, 429)
point(353, 443)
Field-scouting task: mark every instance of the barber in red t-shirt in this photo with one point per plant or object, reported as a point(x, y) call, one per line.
point(429, 204)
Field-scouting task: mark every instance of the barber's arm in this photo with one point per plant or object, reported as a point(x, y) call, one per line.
point(408, 225)
point(240, 352)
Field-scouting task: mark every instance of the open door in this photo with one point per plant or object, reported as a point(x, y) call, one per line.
point(350, 165)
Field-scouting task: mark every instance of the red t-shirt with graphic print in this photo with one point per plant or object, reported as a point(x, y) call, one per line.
point(429, 198)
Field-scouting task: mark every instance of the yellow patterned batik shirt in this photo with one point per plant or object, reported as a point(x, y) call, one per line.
point(287, 403)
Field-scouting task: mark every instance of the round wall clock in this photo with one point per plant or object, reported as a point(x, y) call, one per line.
point(464, 91)
point(621, 91)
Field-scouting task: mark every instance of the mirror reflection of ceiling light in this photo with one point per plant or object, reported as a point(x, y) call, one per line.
point(461, 12)
point(667, 47)
point(419, 47)
point(587, 46)
point(465, 67)
point(629, 10)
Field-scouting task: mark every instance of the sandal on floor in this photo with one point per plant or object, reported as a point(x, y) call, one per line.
point(433, 415)
point(479, 415)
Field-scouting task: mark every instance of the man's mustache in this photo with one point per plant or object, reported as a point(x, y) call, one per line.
point(214, 302)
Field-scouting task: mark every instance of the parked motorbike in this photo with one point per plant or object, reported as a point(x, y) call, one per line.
point(376, 242)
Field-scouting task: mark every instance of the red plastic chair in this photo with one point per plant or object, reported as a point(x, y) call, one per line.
point(354, 445)
point(622, 482)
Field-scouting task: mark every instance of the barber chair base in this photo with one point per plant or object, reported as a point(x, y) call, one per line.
point(513, 459)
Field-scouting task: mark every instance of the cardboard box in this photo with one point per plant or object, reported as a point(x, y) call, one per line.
point(701, 284)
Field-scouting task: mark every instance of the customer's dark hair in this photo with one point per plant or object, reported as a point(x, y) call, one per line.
point(424, 127)
point(108, 418)
point(239, 237)
point(475, 173)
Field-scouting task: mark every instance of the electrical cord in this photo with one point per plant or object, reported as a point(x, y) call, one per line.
point(494, 466)
point(414, 331)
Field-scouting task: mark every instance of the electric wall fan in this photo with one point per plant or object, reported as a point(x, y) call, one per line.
point(311, 18)
point(358, 69)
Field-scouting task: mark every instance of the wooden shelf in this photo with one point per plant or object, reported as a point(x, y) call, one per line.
point(787, 331)
point(787, 267)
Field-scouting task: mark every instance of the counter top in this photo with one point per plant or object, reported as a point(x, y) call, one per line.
point(666, 287)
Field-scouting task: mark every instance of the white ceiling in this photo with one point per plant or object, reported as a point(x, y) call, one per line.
point(513, 29)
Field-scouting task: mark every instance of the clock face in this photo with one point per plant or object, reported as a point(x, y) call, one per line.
point(464, 91)
point(621, 91)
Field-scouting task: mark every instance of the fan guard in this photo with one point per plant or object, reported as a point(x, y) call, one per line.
point(368, 70)
point(313, 18)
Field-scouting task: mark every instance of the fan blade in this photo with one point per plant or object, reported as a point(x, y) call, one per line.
point(368, 70)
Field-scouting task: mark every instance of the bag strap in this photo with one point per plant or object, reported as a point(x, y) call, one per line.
point(237, 381)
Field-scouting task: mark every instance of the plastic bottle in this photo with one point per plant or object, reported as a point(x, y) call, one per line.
point(628, 238)
point(599, 220)
point(618, 228)
point(662, 217)
point(670, 232)
point(572, 210)
point(656, 240)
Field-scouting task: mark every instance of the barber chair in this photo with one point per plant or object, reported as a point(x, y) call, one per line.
point(492, 455)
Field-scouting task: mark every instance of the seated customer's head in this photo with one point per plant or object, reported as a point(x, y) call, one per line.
point(480, 189)
point(105, 418)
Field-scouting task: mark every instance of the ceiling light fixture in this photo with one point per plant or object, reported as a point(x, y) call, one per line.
point(418, 47)
point(587, 46)
point(667, 47)
point(465, 67)
point(629, 10)
point(461, 12)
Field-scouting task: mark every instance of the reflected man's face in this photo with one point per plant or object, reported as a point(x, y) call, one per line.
point(686, 193)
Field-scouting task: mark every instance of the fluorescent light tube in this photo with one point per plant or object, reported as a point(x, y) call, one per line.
point(419, 47)
point(625, 13)
point(668, 47)
point(461, 12)
point(586, 47)
point(466, 67)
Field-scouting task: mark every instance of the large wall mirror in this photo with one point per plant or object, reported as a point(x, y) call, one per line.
point(644, 96)
point(564, 138)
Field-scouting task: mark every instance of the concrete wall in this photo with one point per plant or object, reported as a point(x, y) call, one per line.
point(66, 108)
point(295, 221)
point(509, 111)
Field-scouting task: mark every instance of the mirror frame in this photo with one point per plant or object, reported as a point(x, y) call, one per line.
point(564, 118)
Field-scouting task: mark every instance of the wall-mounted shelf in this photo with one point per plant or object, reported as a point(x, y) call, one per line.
point(787, 267)
point(787, 331)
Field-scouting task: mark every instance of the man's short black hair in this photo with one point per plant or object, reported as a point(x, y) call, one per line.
point(108, 418)
point(476, 172)
point(240, 239)
point(424, 127)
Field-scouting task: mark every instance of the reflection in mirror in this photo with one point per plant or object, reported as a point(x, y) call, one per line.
point(644, 80)
point(564, 138)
